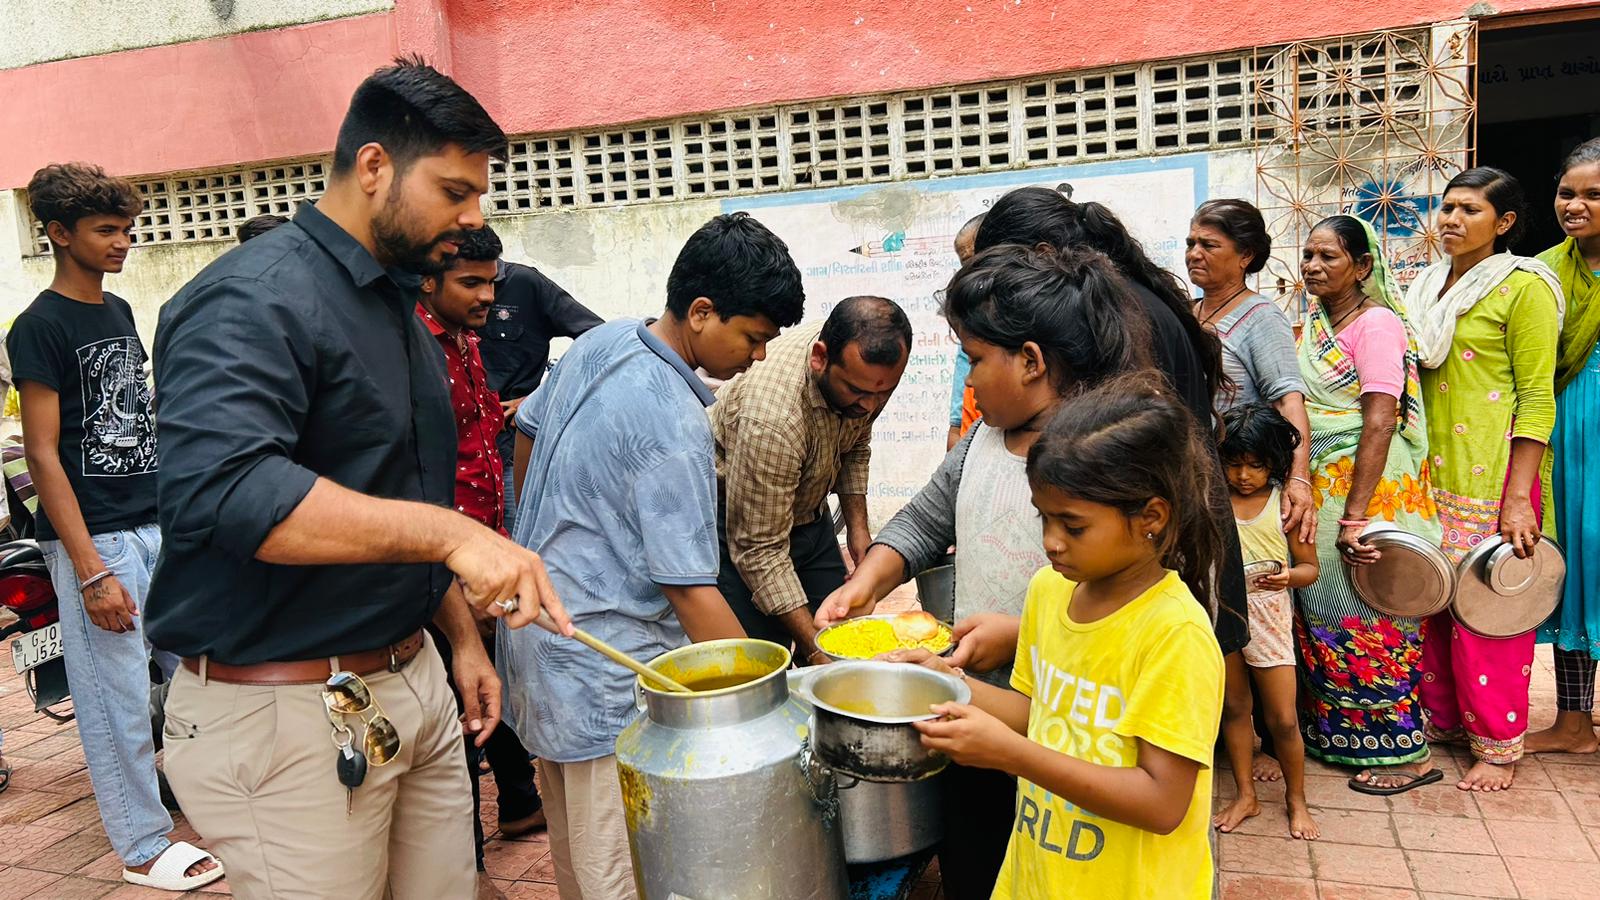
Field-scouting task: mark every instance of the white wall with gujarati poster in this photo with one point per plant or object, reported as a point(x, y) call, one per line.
point(896, 241)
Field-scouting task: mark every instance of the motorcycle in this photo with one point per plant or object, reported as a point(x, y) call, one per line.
point(25, 589)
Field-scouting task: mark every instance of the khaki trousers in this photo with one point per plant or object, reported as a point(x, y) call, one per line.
point(588, 830)
point(254, 770)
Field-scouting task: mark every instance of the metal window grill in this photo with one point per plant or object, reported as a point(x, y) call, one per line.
point(1372, 125)
point(1325, 117)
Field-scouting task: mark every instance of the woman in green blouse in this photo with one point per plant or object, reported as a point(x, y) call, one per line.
point(1487, 324)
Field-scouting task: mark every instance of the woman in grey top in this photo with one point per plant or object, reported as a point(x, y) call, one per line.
point(1227, 242)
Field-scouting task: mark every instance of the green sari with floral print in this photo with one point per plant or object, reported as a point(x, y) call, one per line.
point(1360, 668)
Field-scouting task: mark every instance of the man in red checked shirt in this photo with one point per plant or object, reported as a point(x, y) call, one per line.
point(452, 305)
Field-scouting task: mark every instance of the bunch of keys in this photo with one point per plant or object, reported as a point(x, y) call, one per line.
point(351, 764)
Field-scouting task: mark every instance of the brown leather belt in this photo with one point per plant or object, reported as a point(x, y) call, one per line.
point(309, 671)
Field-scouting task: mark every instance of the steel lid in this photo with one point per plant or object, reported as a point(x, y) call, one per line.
point(1412, 579)
point(1500, 596)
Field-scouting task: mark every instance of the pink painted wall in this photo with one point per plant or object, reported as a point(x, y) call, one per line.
point(254, 96)
point(543, 65)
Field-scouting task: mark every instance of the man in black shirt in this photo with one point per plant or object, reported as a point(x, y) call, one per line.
point(308, 456)
point(89, 433)
point(529, 310)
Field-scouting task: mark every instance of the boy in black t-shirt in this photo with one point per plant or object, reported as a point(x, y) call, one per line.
point(89, 433)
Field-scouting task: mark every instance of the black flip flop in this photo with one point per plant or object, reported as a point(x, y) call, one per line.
point(1414, 781)
point(5, 778)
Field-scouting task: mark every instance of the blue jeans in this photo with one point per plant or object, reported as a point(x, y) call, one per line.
point(109, 675)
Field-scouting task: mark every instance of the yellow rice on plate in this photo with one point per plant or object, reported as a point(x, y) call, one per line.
point(866, 638)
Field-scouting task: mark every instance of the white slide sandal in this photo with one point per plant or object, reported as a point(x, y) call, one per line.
point(167, 873)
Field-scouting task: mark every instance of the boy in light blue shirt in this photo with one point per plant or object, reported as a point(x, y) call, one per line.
point(619, 496)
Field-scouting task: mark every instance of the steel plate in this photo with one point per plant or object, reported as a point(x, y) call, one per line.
point(1413, 579)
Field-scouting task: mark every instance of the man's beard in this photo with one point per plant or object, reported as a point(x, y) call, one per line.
point(403, 251)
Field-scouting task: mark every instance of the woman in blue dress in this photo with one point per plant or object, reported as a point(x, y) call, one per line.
point(1576, 627)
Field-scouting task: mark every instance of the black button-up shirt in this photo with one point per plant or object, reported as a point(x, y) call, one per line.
point(293, 356)
point(529, 309)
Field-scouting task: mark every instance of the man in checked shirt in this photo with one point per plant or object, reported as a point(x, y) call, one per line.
point(794, 428)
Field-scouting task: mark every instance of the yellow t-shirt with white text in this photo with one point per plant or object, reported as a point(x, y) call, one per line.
point(1152, 671)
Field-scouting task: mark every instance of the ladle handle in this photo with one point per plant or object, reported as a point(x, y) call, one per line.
point(617, 656)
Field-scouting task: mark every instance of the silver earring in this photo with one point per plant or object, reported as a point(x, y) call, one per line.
point(1149, 535)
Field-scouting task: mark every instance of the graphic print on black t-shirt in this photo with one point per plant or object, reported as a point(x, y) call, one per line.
point(90, 355)
point(119, 432)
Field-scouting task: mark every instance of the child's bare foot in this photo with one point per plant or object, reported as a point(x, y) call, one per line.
point(1265, 768)
point(1487, 777)
point(1235, 813)
point(1573, 732)
point(1301, 825)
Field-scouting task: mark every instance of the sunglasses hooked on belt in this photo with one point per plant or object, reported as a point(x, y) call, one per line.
point(344, 695)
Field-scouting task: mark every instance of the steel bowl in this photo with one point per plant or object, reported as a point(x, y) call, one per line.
point(862, 715)
point(1259, 569)
point(889, 617)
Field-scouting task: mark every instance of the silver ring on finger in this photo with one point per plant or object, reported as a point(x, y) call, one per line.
point(508, 605)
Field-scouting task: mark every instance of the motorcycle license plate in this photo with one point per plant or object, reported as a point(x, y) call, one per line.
point(36, 647)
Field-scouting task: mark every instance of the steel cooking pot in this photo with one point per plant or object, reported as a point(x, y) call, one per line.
point(1412, 579)
point(884, 820)
point(712, 781)
point(862, 712)
point(936, 589)
point(1500, 596)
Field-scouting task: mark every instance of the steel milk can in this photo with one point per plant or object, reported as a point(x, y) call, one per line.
point(724, 800)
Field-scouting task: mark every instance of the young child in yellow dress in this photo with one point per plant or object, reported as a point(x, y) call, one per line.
point(1117, 691)
point(1257, 451)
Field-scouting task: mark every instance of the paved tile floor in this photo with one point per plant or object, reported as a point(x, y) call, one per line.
point(1540, 840)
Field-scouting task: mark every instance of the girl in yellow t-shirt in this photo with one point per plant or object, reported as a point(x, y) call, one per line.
point(1117, 690)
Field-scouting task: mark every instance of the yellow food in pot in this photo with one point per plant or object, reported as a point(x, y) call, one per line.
point(866, 638)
